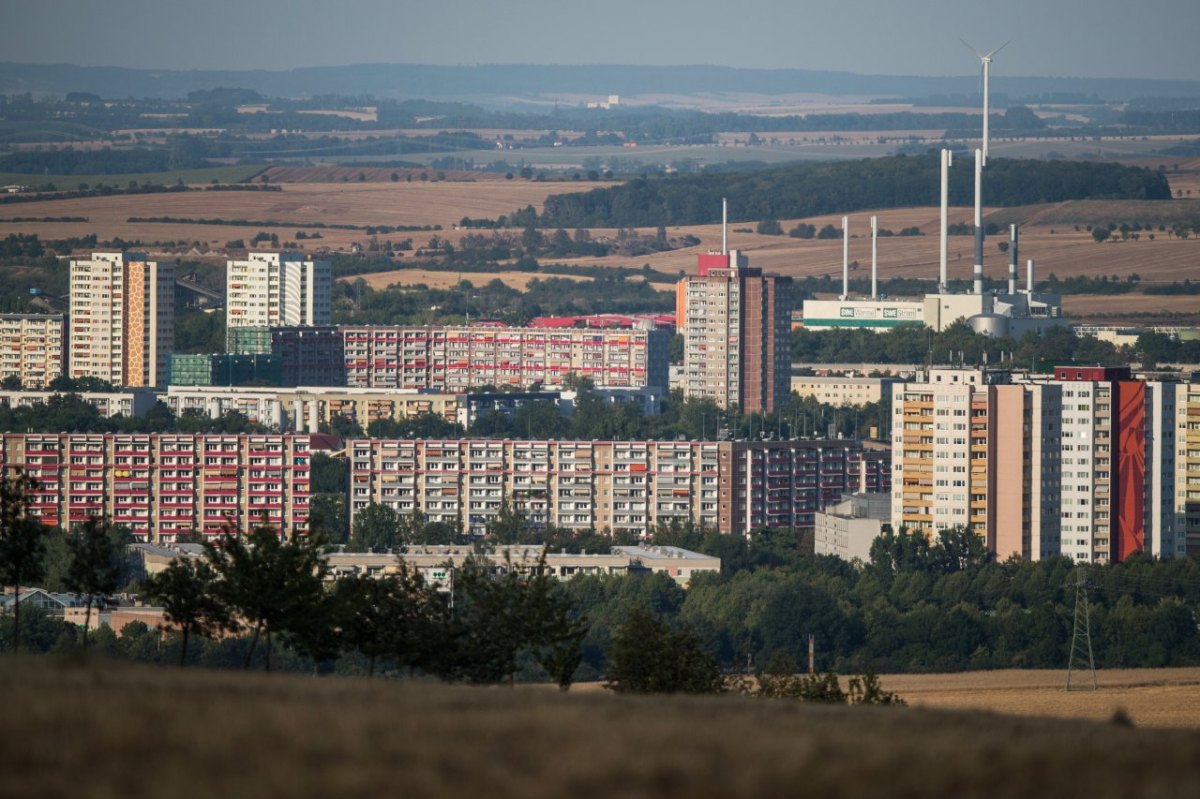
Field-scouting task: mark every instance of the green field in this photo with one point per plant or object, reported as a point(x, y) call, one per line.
point(221, 174)
point(111, 729)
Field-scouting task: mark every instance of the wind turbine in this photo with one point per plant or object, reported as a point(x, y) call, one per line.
point(986, 60)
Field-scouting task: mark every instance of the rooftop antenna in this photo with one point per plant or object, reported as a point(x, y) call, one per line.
point(942, 275)
point(874, 256)
point(724, 226)
point(986, 60)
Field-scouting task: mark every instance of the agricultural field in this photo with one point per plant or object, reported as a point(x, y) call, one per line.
point(443, 280)
point(368, 203)
point(1151, 697)
point(84, 732)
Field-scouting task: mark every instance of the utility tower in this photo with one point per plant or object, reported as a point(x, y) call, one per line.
point(1081, 638)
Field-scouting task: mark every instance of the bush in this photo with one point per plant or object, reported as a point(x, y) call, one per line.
point(769, 227)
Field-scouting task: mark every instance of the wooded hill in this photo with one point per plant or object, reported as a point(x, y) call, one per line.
point(810, 189)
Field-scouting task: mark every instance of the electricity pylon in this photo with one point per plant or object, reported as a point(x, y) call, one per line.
point(1081, 637)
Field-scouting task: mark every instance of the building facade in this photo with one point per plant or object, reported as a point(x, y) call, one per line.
point(268, 289)
point(32, 348)
point(844, 390)
point(1085, 465)
point(122, 322)
point(161, 485)
point(736, 325)
point(130, 403)
point(619, 486)
point(461, 358)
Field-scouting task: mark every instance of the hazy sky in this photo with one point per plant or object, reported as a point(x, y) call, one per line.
point(1099, 38)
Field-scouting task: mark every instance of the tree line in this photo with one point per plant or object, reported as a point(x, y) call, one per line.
point(811, 189)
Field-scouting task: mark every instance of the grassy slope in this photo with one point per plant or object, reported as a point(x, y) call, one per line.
point(222, 174)
point(133, 732)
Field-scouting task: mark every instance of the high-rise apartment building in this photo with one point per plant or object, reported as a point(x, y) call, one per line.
point(735, 321)
point(620, 486)
point(160, 486)
point(122, 323)
point(1084, 465)
point(32, 348)
point(277, 288)
point(1187, 469)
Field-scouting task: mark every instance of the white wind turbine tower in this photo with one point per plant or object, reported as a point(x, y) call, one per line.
point(986, 60)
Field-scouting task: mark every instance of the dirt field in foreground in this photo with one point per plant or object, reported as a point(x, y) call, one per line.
point(1151, 697)
point(122, 730)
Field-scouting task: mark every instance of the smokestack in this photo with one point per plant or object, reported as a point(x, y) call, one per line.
point(724, 226)
point(845, 257)
point(874, 256)
point(942, 278)
point(979, 221)
point(1029, 275)
point(1012, 262)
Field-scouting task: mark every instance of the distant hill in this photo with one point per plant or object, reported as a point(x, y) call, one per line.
point(444, 82)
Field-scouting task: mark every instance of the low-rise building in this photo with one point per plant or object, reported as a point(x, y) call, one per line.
point(128, 402)
point(848, 528)
point(844, 390)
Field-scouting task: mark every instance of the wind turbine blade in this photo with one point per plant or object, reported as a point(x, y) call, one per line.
point(969, 47)
point(998, 49)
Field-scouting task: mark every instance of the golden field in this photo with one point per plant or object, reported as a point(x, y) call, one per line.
point(1151, 697)
point(121, 730)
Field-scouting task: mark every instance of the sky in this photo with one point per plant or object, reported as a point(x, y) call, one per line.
point(1102, 38)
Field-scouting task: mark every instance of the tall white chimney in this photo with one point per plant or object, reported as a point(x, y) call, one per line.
point(874, 257)
point(724, 226)
point(1029, 275)
point(942, 273)
point(979, 221)
point(845, 257)
point(1012, 261)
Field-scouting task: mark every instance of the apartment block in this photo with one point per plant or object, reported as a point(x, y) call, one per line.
point(1187, 469)
point(939, 452)
point(461, 358)
point(620, 486)
point(277, 288)
point(159, 486)
point(122, 322)
point(1084, 465)
point(1118, 464)
point(32, 348)
point(736, 324)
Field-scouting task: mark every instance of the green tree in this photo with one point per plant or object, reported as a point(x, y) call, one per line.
point(22, 543)
point(269, 584)
point(376, 528)
point(97, 563)
point(188, 591)
point(648, 657)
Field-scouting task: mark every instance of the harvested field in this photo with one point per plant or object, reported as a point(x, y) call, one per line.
point(1151, 697)
point(388, 203)
point(1132, 305)
point(442, 280)
point(84, 732)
